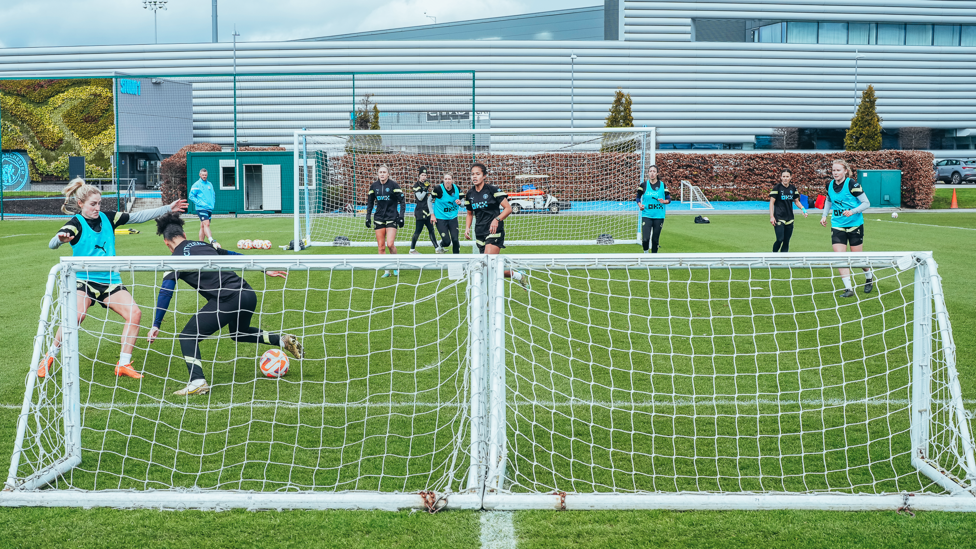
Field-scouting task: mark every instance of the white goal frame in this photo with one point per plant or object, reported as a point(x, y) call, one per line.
point(647, 151)
point(696, 197)
point(488, 401)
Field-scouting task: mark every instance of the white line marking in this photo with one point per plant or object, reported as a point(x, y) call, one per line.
point(16, 235)
point(498, 530)
point(927, 225)
point(202, 403)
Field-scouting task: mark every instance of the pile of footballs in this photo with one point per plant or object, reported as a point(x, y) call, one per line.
point(254, 244)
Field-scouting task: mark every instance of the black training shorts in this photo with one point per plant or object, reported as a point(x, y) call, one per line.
point(848, 236)
point(99, 292)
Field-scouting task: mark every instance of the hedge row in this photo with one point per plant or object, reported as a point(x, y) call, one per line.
point(173, 171)
point(612, 176)
point(750, 176)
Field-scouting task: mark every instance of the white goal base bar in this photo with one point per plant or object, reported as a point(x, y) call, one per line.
point(727, 502)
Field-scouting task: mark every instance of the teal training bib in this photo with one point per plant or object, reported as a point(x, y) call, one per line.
point(652, 208)
point(840, 202)
point(444, 206)
point(96, 244)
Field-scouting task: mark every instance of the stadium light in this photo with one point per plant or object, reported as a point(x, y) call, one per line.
point(430, 17)
point(856, 57)
point(155, 6)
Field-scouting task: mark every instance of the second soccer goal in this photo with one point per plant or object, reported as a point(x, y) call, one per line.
point(564, 186)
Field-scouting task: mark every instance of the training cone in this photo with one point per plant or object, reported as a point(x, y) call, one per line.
point(955, 203)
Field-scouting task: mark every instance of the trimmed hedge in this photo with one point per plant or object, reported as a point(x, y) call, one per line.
point(612, 176)
point(173, 171)
point(744, 176)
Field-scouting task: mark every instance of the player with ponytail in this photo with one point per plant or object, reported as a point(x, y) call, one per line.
point(91, 233)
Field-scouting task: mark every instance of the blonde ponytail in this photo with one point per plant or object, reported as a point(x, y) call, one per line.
point(77, 191)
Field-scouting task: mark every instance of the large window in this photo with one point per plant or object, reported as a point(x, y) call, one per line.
point(833, 33)
point(888, 34)
point(801, 33)
point(891, 35)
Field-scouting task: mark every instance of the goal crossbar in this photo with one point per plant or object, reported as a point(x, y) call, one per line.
point(535, 362)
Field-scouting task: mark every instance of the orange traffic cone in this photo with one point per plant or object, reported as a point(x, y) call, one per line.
point(955, 203)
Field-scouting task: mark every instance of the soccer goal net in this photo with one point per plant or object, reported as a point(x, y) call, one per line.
point(694, 196)
point(614, 381)
point(564, 186)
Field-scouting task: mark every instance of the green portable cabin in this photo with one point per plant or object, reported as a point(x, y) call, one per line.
point(882, 187)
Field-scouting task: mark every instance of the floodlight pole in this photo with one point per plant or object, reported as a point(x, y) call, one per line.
point(572, 97)
point(214, 40)
point(856, 57)
point(155, 6)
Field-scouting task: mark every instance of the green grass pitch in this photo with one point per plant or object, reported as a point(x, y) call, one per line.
point(428, 439)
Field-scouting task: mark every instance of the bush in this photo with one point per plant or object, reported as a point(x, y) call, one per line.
point(865, 131)
point(614, 176)
point(173, 171)
point(750, 176)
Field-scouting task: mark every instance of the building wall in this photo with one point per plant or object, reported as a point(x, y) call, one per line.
point(156, 113)
point(694, 91)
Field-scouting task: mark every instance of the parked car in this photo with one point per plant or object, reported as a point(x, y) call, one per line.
point(956, 170)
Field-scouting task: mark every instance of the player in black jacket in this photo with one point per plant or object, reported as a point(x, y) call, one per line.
point(421, 212)
point(230, 302)
point(781, 200)
point(488, 207)
point(387, 197)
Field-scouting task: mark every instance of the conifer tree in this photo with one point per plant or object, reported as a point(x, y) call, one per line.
point(620, 117)
point(865, 131)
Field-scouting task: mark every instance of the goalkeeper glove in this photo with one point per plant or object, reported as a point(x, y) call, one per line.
point(369, 222)
point(400, 222)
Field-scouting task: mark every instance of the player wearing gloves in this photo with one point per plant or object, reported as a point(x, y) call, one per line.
point(230, 299)
point(421, 212)
point(386, 197)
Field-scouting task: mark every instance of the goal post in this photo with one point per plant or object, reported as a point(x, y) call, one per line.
point(565, 186)
point(615, 381)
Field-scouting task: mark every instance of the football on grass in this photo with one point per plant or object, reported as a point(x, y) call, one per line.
point(894, 215)
point(274, 363)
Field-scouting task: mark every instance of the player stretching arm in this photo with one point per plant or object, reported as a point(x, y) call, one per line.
point(652, 195)
point(447, 198)
point(387, 197)
point(781, 210)
point(846, 203)
point(230, 299)
point(91, 233)
point(488, 206)
point(421, 212)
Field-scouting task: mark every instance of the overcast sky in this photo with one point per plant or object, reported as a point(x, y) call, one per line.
point(30, 23)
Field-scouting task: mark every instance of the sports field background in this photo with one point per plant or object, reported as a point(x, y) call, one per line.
point(27, 261)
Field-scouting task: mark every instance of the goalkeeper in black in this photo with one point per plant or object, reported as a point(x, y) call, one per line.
point(488, 207)
point(421, 212)
point(230, 299)
point(386, 196)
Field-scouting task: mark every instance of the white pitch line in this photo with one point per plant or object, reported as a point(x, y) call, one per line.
point(498, 530)
point(214, 406)
point(927, 225)
point(16, 235)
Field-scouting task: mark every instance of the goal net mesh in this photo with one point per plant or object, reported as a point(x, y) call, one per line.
point(617, 374)
point(562, 186)
point(631, 378)
point(379, 402)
